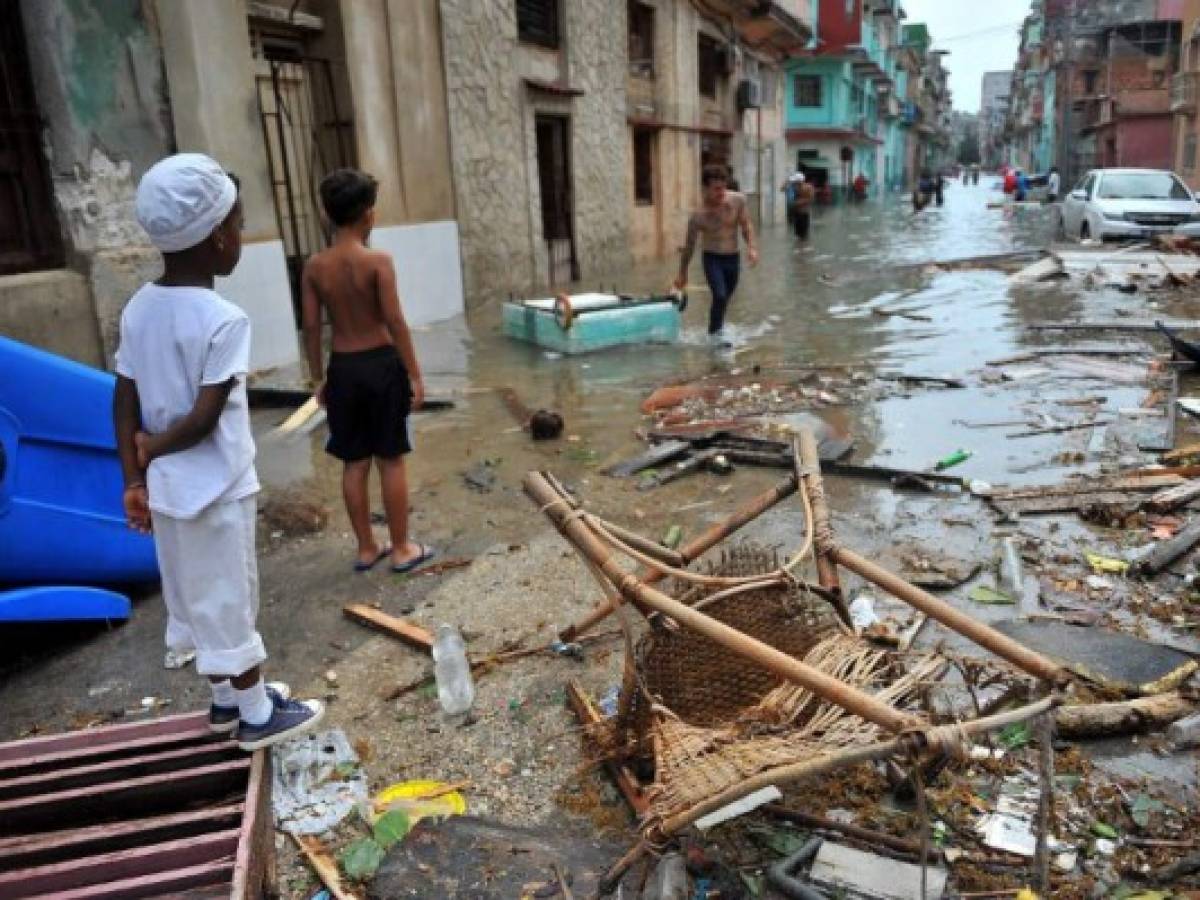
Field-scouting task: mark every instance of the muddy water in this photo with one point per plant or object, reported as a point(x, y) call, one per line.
point(813, 304)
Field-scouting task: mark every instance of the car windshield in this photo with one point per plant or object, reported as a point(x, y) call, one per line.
point(1142, 186)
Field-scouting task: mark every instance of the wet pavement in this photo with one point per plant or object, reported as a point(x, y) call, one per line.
point(832, 302)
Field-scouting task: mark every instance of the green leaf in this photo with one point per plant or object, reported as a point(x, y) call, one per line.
point(360, 860)
point(1100, 829)
point(391, 827)
point(753, 883)
point(981, 593)
point(1143, 806)
point(1015, 736)
point(780, 841)
point(345, 769)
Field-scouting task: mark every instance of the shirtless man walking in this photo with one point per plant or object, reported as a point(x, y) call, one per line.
point(716, 225)
point(373, 380)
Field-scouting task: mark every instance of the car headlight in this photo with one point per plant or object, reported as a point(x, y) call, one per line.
point(1115, 216)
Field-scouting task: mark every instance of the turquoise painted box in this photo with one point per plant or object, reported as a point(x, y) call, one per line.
point(585, 322)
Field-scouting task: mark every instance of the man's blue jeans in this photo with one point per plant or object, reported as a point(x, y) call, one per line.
point(721, 270)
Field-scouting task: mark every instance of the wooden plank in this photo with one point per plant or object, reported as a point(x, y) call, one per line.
point(254, 866)
point(587, 714)
point(181, 726)
point(1179, 455)
point(37, 849)
point(119, 865)
point(161, 884)
point(1065, 502)
point(149, 794)
point(655, 456)
point(1146, 480)
point(1174, 497)
point(413, 635)
point(324, 865)
point(115, 770)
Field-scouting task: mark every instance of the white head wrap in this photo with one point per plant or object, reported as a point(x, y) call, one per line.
point(182, 199)
point(797, 177)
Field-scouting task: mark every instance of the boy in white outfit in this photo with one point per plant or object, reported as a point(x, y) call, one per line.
point(183, 434)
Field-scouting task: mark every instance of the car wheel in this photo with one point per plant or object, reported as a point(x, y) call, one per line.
point(1085, 232)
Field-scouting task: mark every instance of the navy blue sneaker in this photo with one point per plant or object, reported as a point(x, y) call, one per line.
point(223, 719)
point(289, 718)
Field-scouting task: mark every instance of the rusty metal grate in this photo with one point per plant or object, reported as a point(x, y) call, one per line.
point(141, 810)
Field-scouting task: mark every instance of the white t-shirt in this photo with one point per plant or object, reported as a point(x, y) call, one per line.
point(174, 340)
point(1052, 183)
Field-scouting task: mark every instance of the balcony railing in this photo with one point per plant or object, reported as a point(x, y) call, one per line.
point(1183, 92)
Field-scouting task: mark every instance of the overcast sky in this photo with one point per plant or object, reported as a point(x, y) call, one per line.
point(981, 37)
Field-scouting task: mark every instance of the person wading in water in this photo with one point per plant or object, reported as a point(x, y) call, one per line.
point(716, 225)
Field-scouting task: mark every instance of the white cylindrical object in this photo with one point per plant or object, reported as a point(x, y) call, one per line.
point(452, 670)
point(1012, 581)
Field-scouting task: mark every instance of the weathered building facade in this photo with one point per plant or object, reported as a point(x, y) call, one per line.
point(279, 93)
point(536, 95)
point(1185, 96)
point(704, 89)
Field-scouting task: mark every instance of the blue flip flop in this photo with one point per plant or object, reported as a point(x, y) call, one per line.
point(360, 566)
point(427, 553)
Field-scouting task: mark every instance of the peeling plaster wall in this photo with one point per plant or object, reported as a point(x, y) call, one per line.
point(98, 77)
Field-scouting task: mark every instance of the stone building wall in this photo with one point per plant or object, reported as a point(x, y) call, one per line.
point(493, 143)
point(597, 45)
point(98, 77)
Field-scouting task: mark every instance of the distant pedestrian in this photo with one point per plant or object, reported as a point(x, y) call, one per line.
point(859, 186)
point(183, 434)
point(1022, 189)
point(373, 381)
point(923, 194)
point(1010, 180)
point(939, 189)
point(716, 225)
point(800, 195)
point(1053, 185)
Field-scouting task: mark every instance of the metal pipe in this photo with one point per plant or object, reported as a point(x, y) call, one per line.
point(826, 686)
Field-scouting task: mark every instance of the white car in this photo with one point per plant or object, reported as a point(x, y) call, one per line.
point(1122, 204)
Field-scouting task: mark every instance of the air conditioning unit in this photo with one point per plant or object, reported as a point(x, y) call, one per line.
point(749, 93)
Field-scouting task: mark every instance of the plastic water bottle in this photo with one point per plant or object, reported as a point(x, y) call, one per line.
point(451, 669)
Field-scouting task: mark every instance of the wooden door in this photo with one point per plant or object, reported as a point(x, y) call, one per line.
point(29, 234)
point(554, 179)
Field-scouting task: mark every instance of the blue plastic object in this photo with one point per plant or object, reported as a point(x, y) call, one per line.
point(61, 519)
point(61, 604)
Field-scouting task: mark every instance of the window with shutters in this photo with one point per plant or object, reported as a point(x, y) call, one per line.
point(538, 22)
point(807, 91)
point(641, 38)
point(710, 59)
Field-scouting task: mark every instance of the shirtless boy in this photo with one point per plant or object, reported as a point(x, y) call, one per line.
point(716, 224)
point(373, 380)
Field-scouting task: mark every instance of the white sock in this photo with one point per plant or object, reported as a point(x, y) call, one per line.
point(254, 705)
point(223, 693)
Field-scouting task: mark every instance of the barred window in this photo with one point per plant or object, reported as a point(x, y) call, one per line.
point(807, 90)
point(538, 22)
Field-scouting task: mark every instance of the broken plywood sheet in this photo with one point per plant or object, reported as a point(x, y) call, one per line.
point(1101, 369)
point(859, 874)
point(1076, 495)
point(1108, 657)
point(1120, 266)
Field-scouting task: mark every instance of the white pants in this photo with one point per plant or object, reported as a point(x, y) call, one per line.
point(210, 585)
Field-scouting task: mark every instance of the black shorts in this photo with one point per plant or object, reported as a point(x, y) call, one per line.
point(368, 398)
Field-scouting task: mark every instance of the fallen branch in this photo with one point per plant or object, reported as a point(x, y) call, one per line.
point(413, 635)
point(1123, 717)
point(1167, 552)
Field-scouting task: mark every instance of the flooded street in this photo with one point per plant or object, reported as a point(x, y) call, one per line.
point(874, 295)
